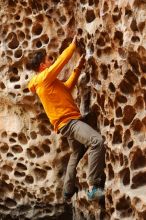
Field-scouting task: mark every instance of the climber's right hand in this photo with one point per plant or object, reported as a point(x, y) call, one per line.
point(75, 39)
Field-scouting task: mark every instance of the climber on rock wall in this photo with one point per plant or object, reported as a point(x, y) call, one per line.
point(66, 118)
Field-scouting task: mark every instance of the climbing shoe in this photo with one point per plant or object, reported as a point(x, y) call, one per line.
point(96, 194)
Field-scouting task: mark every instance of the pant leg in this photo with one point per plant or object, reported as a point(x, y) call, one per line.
point(78, 151)
point(89, 137)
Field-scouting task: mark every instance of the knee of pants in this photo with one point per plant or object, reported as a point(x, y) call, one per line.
point(96, 140)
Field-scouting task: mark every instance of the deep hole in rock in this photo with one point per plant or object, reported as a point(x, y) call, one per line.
point(128, 12)
point(38, 44)
point(139, 103)
point(33, 134)
point(2, 85)
point(110, 172)
point(91, 2)
point(129, 114)
point(71, 23)
point(25, 44)
point(117, 136)
point(4, 148)
point(144, 95)
point(80, 31)
point(105, 7)
point(45, 148)
point(43, 130)
point(119, 36)
point(141, 25)
point(44, 38)
point(19, 24)
point(30, 153)
point(137, 125)
point(126, 87)
point(123, 203)
point(119, 112)
point(104, 71)
point(19, 174)
point(143, 81)
point(125, 176)
point(112, 123)
point(21, 35)
point(14, 43)
point(40, 174)
point(111, 103)
point(122, 53)
point(112, 87)
point(40, 18)
point(7, 168)
point(127, 136)
point(138, 159)
point(121, 98)
point(35, 6)
point(38, 152)
point(18, 53)
point(121, 159)
point(26, 77)
point(100, 41)
point(135, 39)
point(116, 17)
point(12, 3)
point(17, 148)
point(12, 140)
point(138, 180)
point(17, 86)
point(21, 166)
point(60, 32)
point(133, 59)
point(133, 25)
point(107, 50)
point(144, 121)
point(26, 90)
point(99, 52)
point(11, 203)
point(28, 22)
point(110, 199)
point(62, 19)
point(83, 1)
point(4, 134)
point(90, 16)
point(29, 179)
point(22, 138)
point(37, 29)
point(14, 78)
point(130, 144)
point(131, 77)
point(29, 99)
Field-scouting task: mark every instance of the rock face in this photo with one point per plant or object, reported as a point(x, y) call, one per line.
point(112, 86)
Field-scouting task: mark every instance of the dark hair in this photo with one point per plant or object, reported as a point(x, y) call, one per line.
point(37, 59)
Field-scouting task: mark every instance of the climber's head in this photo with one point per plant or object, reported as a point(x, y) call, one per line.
point(40, 61)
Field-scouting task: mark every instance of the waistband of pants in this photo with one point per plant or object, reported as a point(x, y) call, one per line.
point(64, 130)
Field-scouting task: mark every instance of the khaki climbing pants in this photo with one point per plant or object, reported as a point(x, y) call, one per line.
point(81, 136)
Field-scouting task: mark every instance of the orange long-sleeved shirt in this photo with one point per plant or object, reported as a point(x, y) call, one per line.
point(56, 96)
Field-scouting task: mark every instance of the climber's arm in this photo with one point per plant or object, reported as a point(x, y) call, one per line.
point(72, 80)
point(50, 74)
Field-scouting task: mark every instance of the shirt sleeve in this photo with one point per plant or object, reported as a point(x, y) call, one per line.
point(72, 80)
point(50, 74)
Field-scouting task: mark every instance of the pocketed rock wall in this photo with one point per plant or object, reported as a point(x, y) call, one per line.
point(112, 85)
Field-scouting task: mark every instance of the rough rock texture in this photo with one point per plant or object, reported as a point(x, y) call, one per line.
point(33, 158)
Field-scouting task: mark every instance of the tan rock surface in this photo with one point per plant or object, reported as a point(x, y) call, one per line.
point(33, 158)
